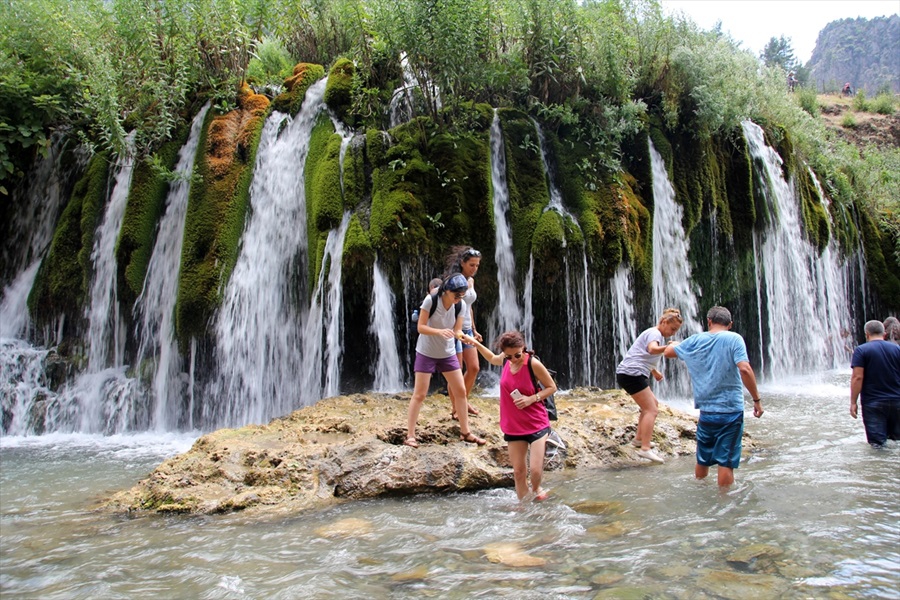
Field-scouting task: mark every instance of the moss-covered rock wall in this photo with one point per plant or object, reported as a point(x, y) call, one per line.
point(64, 276)
point(217, 208)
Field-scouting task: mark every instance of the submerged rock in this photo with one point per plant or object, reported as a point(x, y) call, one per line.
point(351, 447)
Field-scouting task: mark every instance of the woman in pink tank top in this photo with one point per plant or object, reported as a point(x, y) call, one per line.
point(523, 417)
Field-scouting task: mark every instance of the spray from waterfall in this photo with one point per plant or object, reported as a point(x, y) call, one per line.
point(507, 312)
point(382, 326)
point(322, 337)
point(803, 290)
point(258, 328)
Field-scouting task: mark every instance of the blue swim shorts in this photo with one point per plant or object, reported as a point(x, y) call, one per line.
point(460, 344)
point(719, 439)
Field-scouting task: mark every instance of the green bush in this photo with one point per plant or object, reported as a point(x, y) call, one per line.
point(860, 104)
point(808, 101)
point(848, 121)
point(883, 104)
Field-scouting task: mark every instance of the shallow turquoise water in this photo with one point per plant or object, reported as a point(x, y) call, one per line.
point(823, 505)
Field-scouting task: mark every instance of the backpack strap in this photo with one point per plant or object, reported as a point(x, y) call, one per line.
point(456, 307)
point(534, 381)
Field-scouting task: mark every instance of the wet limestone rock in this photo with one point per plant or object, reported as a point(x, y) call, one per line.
point(351, 447)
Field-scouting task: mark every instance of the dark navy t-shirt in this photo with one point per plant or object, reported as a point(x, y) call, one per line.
point(881, 378)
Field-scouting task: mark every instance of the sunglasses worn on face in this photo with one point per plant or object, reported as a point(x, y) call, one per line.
point(459, 295)
point(517, 355)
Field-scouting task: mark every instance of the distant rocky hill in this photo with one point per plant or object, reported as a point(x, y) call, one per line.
point(865, 52)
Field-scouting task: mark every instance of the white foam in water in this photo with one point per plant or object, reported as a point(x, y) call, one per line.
point(122, 445)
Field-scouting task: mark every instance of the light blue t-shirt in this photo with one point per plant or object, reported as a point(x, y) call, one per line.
point(712, 359)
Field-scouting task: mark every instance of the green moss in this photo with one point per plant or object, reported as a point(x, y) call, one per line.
point(430, 190)
point(815, 216)
point(358, 250)
point(738, 169)
point(146, 205)
point(324, 202)
point(337, 90)
point(882, 269)
point(548, 244)
point(64, 276)
point(216, 212)
point(305, 74)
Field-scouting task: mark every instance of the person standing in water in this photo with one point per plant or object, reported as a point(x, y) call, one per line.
point(876, 378)
point(718, 363)
point(523, 416)
point(466, 261)
point(438, 328)
point(633, 375)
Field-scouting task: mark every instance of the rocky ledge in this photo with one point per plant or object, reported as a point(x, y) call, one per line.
point(351, 447)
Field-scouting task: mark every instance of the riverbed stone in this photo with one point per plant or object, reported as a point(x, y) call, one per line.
point(351, 447)
point(512, 555)
point(742, 586)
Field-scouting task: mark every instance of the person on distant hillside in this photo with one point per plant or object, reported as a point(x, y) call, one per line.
point(436, 353)
point(791, 81)
point(847, 90)
point(466, 260)
point(633, 375)
point(876, 378)
point(718, 364)
point(523, 416)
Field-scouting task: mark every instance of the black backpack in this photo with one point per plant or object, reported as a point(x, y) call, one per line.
point(549, 401)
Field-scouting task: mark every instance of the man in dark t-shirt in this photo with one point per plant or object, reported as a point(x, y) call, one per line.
point(876, 377)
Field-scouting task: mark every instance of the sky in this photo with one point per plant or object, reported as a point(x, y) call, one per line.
point(755, 22)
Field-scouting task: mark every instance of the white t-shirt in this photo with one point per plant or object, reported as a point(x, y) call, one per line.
point(435, 346)
point(470, 298)
point(638, 362)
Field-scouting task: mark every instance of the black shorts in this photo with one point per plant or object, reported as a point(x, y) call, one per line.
point(530, 438)
point(631, 383)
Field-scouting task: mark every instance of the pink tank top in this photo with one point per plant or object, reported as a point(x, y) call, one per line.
point(515, 421)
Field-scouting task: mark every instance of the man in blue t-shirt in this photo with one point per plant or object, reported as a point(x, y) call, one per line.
point(876, 377)
point(718, 364)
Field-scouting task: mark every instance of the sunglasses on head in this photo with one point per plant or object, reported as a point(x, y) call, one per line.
point(471, 253)
point(517, 355)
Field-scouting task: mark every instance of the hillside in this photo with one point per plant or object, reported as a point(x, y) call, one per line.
point(860, 51)
point(869, 127)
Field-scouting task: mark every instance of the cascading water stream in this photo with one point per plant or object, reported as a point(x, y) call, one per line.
point(258, 328)
point(672, 279)
point(31, 232)
point(322, 336)
point(801, 287)
point(155, 307)
point(388, 377)
point(105, 331)
point(507, 313)
point(624, 327)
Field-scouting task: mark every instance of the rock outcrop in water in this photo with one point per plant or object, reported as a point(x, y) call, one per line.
point(351, 447)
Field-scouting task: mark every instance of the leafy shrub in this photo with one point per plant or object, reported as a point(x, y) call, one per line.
point(883, 104)
point(860, 104)
point(848, 121)
point(270, 64)
point(808, 101)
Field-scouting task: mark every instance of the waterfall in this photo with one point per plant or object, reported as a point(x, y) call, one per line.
point(324, 326)
point(507, 313)
point(30, 233)
point(105, 323)
point(383, 327)
point(155, 307)
point(402, 105)
point(528, 317)
point(624, 326)
point(801, 288)
point(258, 342)
point(672, 279)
